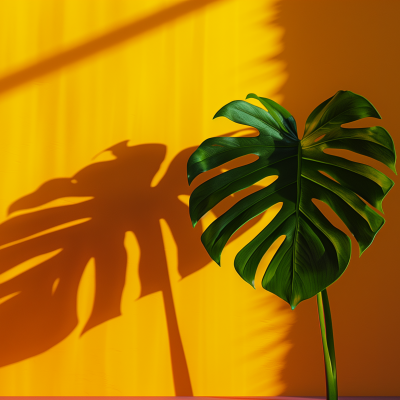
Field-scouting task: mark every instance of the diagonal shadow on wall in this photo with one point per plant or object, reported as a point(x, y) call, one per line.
point(40, 307)
point(101, 43)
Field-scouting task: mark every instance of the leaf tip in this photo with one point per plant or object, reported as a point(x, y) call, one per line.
point(216, 115)
point(251, 96)
point(362, 249)
point(220, 112)
point(215, 255)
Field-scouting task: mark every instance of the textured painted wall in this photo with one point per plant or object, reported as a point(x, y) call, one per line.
point(105, 288)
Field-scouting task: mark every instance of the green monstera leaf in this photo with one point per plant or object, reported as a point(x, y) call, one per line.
point(314, 253)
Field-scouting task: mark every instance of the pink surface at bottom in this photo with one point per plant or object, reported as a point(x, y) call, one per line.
point(196, 398)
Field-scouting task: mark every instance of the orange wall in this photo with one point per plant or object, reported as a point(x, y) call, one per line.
point(349, 45)
point(104, 286)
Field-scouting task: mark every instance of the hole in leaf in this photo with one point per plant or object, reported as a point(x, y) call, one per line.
point(319, 138)
point(246, 233)
point(267, 181)
point(246, 132)
point(238, 162)
point(359, 158)
point(361, 123)
point(352, 189)
point(328, 176)
point(266, 260)
point(225, 204)
point(332, 216)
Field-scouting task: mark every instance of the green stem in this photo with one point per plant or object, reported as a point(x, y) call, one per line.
point(325, 322)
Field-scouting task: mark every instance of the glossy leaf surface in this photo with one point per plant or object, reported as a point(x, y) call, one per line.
point(314, 253)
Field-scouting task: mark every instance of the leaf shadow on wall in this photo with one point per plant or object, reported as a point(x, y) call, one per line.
point(330, 46)
point(39, 306)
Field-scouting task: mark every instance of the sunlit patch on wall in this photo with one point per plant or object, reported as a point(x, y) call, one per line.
point(27, 265)
point(47, 231)
point(64, 201)
point(172, 253)
point(106, 155)
point(86, 294)
point(184, 198)
point(256, 103)
point(132, 284)
point(208, 218)
point(161, 172)
point(8, 297)
point(55, 285)
point(263, 72)
point(246, 132)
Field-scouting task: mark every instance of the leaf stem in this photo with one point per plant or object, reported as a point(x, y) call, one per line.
point(296, 229)
point(325, 321)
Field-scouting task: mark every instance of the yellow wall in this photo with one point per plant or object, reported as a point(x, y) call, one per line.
point(104, 286)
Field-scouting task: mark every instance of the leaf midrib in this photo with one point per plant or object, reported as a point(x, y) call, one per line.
point(299, 155)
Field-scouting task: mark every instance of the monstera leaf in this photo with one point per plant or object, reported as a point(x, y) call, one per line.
point(314, 253)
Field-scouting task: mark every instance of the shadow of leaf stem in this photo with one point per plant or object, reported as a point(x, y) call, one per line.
point(39, 304)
